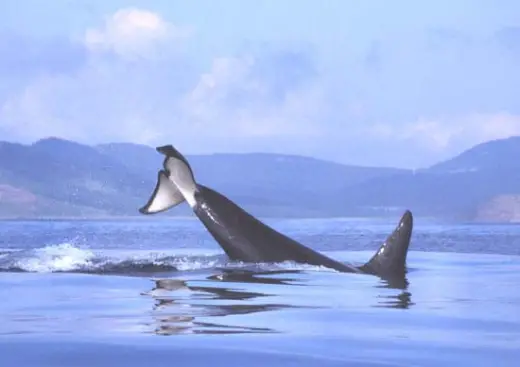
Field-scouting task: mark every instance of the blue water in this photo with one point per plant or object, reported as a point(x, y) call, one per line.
point(161, 293)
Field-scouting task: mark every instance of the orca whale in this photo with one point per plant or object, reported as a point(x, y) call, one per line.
point(245, 238)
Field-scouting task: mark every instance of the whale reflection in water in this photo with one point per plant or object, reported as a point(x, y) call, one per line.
point(191, 306)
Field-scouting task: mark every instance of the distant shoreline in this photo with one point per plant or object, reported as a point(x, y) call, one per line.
point(95, 218)
point(78, 182)
point(180, 217)
point(145, 218)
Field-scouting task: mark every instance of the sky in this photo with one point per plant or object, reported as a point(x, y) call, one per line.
point(380, 83)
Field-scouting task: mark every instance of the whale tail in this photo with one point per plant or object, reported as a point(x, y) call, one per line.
point(175, 183)
point(390, 258)
point(164, 196)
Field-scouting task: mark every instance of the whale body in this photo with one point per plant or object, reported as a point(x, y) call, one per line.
point(245, 238)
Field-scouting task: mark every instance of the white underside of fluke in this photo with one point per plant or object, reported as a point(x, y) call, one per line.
point(182, 178)
point(165, 196)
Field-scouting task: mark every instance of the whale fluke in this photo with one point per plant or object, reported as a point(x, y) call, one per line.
point(390, 259)
point(175, 183)
point(164, 196)
point(179, 172)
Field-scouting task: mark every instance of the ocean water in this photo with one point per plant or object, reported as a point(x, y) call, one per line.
point(161, 293)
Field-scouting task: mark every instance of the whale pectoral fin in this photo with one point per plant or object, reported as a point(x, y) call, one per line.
point(165, 196)
point(390, 258)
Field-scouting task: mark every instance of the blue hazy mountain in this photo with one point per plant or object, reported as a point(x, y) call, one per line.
point(268, 182)
point(482, 183)
point(56, 177)
point(494, 155)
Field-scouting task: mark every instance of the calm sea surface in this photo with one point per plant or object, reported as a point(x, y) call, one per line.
point(161, 293)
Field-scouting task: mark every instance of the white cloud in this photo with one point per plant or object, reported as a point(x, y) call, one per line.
point(232, 99)
point(76, 107)
point(132, 32)
point(150, 100)
point(131, 81)
point(444, 134)
point(114, 98)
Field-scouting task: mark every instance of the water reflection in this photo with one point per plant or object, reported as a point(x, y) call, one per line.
point(402, 300)
point(258, 276)
point(180, 307)
point(396, 282)
point(184, 306)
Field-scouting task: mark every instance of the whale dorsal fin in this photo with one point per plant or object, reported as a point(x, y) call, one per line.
point(390, 258)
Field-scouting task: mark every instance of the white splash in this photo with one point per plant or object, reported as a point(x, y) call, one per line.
point(67, 257)
point(62, 257)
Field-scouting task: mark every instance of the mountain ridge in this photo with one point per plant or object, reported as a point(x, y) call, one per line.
point(54, 177)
